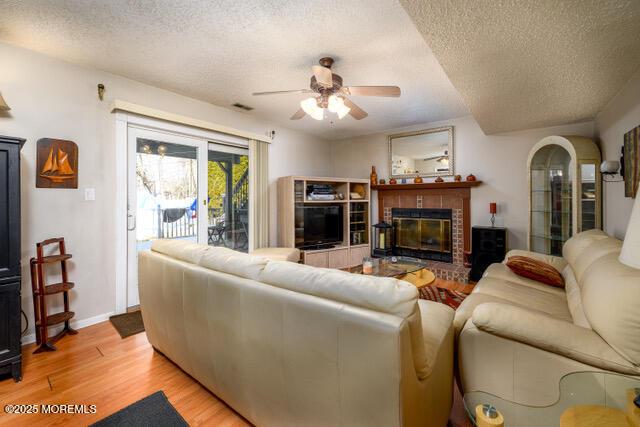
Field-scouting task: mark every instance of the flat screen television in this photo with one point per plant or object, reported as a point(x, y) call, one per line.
point(322, 225)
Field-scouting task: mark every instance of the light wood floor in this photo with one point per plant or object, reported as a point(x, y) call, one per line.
point(97, 367)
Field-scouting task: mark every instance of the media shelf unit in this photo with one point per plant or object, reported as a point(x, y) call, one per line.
point(355, 245)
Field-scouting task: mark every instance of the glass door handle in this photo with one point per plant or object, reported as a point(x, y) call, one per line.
point(129, 216)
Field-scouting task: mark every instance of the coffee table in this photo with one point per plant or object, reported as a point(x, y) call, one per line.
point(581, 395)
point(412, 270)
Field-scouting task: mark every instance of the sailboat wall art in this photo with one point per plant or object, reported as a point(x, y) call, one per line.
point(57, 163)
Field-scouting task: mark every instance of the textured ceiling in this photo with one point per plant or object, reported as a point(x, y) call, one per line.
point(223, 51)
point(522, 64)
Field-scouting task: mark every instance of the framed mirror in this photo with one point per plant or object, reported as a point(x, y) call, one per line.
point(426, 153)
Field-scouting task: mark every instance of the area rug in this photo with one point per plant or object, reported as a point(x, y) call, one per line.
point(444, 296)
point(128, 324)
point(153, 410)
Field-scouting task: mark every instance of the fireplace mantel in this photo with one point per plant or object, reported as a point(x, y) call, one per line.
point(427, 185)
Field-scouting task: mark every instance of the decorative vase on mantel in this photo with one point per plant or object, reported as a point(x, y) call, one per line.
point(439, 179)
point(393, 181)
point(417, 179)
point(373, 177)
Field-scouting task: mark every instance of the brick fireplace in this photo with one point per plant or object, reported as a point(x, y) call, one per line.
point(429, 215)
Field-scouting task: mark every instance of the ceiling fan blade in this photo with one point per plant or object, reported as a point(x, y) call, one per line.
point(356, 112)
point(391, 91)
point(323, 75)
point(278, 92)
point(298, 115)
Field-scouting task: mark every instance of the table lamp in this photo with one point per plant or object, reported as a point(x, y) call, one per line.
point(630, 253)
point(493, 208)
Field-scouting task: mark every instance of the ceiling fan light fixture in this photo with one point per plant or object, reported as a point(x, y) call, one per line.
point(343, 111)
point(310, 106)
point(329, 93)
point(336, 105)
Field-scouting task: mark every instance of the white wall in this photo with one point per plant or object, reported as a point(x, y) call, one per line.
point(619, 116)
point(55, 99)
point(500, 161)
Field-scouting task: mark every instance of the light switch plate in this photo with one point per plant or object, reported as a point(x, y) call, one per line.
point(89, 194)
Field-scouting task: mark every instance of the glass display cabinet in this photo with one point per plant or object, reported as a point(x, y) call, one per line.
point(564, 191)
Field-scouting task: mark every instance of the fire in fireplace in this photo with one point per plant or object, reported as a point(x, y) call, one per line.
point(423, 233)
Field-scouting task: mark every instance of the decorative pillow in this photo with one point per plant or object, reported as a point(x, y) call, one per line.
point(536, 270)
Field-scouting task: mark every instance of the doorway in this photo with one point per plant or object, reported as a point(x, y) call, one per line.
point(133, 122)
point(184, 188)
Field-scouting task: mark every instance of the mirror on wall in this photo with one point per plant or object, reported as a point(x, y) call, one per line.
point(425, 153)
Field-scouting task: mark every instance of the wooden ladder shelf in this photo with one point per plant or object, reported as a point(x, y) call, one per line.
point(41, 290)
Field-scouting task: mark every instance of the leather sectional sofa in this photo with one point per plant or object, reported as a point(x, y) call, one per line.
point(289, 344)
point(517, 338)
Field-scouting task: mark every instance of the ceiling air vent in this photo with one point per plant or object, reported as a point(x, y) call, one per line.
point(244, 107)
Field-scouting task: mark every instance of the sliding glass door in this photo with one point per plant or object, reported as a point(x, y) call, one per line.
point(186, 189)
point(228, 197)
point(164, 186)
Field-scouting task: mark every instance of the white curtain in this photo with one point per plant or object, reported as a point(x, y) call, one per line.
point(258, 194)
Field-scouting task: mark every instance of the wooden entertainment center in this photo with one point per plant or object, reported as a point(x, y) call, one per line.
point(353, 195)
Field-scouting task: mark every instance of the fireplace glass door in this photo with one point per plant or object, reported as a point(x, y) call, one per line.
point(407, 233)
point(424, 235)
point(435, 235)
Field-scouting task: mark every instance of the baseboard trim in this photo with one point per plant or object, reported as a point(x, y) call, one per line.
point(75, 324)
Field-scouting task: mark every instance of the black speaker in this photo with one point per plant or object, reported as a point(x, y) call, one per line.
point(488, 245)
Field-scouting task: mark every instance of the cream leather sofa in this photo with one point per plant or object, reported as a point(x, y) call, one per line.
point(517, 338)
point(289, 344)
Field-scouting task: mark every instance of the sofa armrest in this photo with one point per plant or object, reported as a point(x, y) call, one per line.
point(550, 334)
point(436, 325)
point(556, 262)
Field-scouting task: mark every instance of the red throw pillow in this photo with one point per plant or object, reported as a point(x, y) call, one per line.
point(537, 270)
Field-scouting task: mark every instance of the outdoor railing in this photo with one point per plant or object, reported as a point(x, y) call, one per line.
point(240, 192)
point(176, 222)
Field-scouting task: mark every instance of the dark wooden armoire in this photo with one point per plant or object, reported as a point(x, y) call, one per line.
point(10, 356)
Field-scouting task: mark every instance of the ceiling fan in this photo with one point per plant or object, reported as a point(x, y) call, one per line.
point(329, 93)
point(443, 158)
